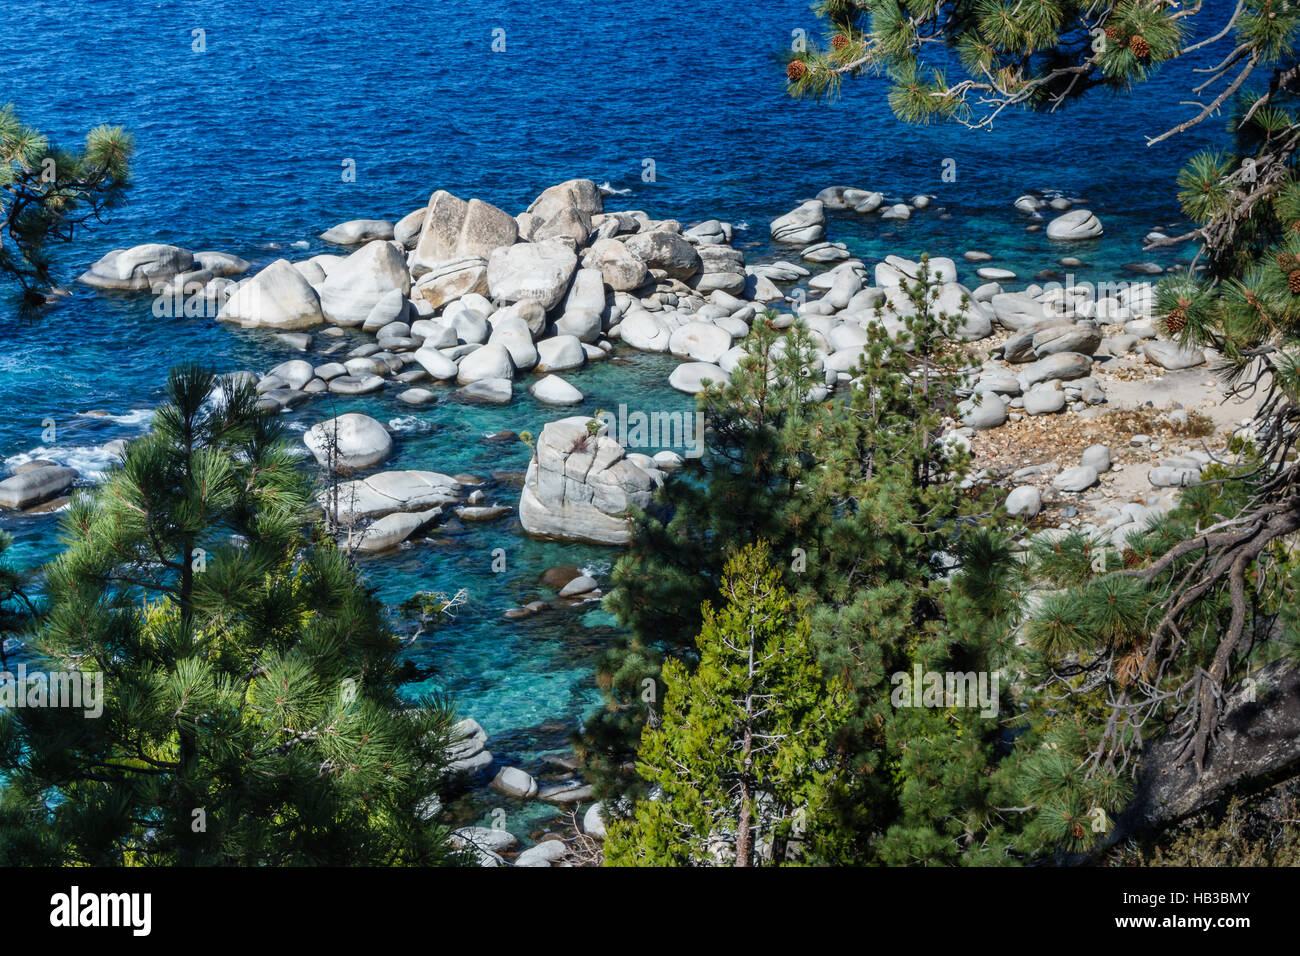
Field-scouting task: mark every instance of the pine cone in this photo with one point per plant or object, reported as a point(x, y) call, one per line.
point(1131, 558)
point(1293, 281)
point(1115, 35)
point(1076, 828)
point(1176, 321)
point(1140, 47)
point(1287, 262)
point(796, 70)
point(839, 41)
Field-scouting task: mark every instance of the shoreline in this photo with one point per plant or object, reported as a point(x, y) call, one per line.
point(691, 294)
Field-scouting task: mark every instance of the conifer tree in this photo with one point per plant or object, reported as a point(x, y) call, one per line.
point(46, 193)
point(895, 571)
point(250, 711)
point(741, 759)
point(762, 434)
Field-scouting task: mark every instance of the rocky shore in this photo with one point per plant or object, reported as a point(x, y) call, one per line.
point(1078, 404)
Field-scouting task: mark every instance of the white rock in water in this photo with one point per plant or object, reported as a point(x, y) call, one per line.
point(407, 229)
point(354, 286)
point(222, 264)
point(356, 231)
point(487, 362)
point(489, 391)
point(391, 530)
point(512, 331)
point(278, 297)
point(560, 354)
point(1024, 500)
point(553, 390)
point(801, 226)
point(690, 377)
point(296, 372)
point(360, 442)
point(138, 268)
point(514, 782)
point(35, 485)
point(436, 364)
point(645, 331)
point(582, 584)
point(543, 854)
point(700, 342)
point(1076, 224)
point(485, 838)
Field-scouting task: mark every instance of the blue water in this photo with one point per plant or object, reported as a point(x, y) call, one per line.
point(240, 148)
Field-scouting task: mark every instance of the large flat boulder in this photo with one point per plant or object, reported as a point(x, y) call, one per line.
point(803, 225)
point(387, 493)
point(138, 268)
point(35, 485)
point(354, 232)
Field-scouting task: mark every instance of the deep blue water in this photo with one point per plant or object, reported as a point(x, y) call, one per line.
point(240, 148)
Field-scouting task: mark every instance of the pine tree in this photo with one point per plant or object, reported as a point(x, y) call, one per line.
point(894, 570)
point(46, 193)
point(761, 432)
point(741, 758)
point(249, 706)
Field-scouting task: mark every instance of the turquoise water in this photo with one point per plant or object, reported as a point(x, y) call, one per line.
point(240, 148)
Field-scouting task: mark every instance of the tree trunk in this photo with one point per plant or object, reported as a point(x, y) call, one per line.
point(745, 825)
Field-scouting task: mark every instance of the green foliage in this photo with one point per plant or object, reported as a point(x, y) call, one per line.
point(743, 748)
point(754, 481)
point(17, 609)
point(249, 709)
point(890, 558)
point(46, 193)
